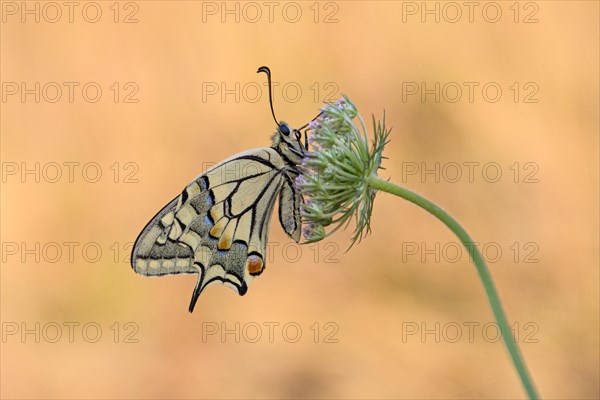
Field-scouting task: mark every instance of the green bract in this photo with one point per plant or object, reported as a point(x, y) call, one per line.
point(334, 174)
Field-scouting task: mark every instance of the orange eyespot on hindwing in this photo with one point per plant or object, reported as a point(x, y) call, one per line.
point(254, 264)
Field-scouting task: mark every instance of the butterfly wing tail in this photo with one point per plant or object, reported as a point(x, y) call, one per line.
point(196, 294)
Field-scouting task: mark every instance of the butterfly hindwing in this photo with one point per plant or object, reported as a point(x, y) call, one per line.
point(218, 226)
point(289, 209)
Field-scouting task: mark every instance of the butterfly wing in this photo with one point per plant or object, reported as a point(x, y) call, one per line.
point(289, 208)
point(218, 226)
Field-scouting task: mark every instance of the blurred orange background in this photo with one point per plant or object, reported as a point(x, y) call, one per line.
point(399, 316)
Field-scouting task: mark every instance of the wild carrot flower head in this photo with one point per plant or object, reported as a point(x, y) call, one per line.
point(335, 172)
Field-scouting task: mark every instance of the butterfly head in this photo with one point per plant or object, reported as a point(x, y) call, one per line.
point(288, 142)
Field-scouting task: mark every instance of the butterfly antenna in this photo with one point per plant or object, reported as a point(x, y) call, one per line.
point(267, 71)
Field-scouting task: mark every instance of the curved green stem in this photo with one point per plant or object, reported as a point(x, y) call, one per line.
point(484, 274)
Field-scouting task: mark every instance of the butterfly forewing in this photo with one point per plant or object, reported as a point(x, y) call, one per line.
point(218, 226)
point(148, 257)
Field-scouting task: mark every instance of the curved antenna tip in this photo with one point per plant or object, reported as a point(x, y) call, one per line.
point(267, 71)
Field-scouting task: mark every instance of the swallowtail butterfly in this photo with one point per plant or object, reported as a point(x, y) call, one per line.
point(218, 226)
